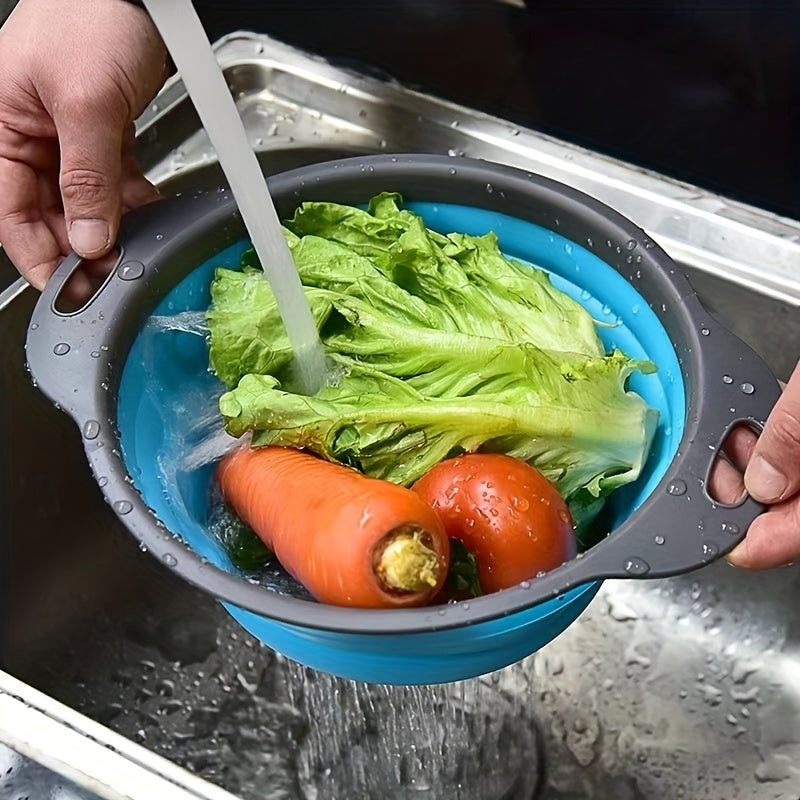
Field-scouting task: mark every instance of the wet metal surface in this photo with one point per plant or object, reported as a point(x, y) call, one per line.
point(670, 690)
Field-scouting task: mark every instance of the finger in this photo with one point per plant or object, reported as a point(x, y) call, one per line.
point(725, 483)
point(91, 156)
point(135, 189)
point(24, 232)
point(39, 153)
point(738, 446)
point(772, 540)
point(773, 473)
point(52, 210)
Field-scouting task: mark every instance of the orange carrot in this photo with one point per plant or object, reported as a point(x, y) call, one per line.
point(349, 539)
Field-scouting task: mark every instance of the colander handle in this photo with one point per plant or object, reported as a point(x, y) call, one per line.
point(681, 527)
point(68, 351)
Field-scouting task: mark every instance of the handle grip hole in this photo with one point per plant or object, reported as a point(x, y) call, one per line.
point(725, 481)
point(84, 283)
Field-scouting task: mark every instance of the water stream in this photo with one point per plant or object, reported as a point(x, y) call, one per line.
point(186, 40)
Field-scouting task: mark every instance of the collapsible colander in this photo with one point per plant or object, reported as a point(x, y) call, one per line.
point(132, 395)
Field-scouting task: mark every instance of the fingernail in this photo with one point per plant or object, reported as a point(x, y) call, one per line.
point(764, 482)
point(89, 237)
point(738, 556)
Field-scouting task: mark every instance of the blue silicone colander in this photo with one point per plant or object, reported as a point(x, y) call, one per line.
point(150, 399)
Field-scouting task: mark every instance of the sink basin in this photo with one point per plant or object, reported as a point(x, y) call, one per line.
point(670, 689)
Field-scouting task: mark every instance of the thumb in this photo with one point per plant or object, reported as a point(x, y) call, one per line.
point(773, 473)
point(91, 158)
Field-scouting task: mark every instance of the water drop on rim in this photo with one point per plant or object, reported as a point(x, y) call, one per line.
point(710, 550)
point(747, 387)
point(730, 527)
point(61, 349)
point(727, 379)
point(91, 429)
point(131, 270)
point(677, 487)
point(123, 506)
point(636, 566)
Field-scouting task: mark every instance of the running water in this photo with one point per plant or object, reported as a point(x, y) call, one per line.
point(469, 740)
point(191, 51)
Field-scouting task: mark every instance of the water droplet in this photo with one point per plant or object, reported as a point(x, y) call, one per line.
point(589, 243)
point(710, 550)
point(636, 566)
point(91, 429)
point(34, 326)
point(123, 507)
point(659, 540)
point(169, 560)
point(525, 585)
point(635, 309)
point(61, 349)
point(131, 270)
point(489, 188)
point(102, 481)
point(747, 387)
point(730, 527)
point(452, 170)
point(705, 331)
point(631, 244)
point(95, 354)
point(727, 379)
point(677, 487)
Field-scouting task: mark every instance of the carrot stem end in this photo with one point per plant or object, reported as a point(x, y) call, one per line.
point(407, 563)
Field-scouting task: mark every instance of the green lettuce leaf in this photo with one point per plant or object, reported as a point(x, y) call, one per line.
point(439, 345)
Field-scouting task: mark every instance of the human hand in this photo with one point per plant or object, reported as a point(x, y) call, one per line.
point(771, 467)
point(73, 78)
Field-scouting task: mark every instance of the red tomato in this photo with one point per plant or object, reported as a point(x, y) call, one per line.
point(505, 512)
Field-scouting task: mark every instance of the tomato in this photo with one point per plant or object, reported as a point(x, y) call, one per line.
point(505, 512)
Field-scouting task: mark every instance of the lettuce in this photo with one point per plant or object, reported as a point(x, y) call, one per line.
point(439, 345)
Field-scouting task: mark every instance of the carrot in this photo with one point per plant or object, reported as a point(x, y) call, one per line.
point(349, 539)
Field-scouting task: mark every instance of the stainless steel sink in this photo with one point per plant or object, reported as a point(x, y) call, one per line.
point(665, 690)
